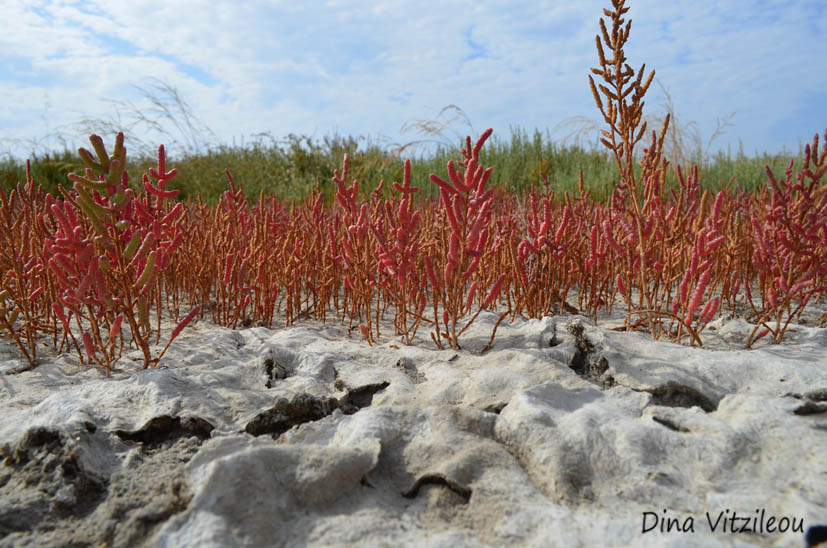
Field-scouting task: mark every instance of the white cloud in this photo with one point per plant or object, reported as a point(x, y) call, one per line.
point(367, 67)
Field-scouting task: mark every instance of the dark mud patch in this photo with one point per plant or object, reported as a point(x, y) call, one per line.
point(410, 370)
point(817, 395)
point(42, 478)
point(273, 372)
point(438, 479)
point(586, 360)
point(357, 398)
point(810, 408)
point(671, 425)
point(165, 429)
point(89, 491)
point(495, 408)
point(812, 402)
point(674, 394)
point(286, 414)
point(303, 408)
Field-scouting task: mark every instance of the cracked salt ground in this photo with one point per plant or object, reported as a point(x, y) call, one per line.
point(563, 434)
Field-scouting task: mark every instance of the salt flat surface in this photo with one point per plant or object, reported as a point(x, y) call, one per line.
point(562, 434)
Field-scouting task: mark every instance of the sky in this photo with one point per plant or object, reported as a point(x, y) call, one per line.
point(261, 70)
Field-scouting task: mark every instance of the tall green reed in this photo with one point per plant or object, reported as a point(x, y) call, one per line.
point(291, 168)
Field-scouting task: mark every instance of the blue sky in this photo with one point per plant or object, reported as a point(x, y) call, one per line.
point(365, 68)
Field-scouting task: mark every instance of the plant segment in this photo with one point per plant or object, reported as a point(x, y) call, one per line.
point(623, 113)
point(790, 244)
point(103, 248)
point(90, 268)
point(398, 230)
point(467, 208)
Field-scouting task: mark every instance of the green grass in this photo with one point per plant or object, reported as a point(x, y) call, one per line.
point(290, 169)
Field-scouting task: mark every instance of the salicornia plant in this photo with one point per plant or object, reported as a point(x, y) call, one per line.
point(109, 246)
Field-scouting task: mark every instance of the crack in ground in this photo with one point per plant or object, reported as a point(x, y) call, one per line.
point(812, 404)
point(670, 425)
point(585, 361)
point(438, 479)
point(41, 477)
point(495, 408)
point(810, 408)
point(675, 394)
point(303, 408)
point(161, 430)
point(286, 414)
point(357, 398)
point(817, 395)
point(52, 495)
point(410, 370)
point(589, 364)
point(273, 371)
